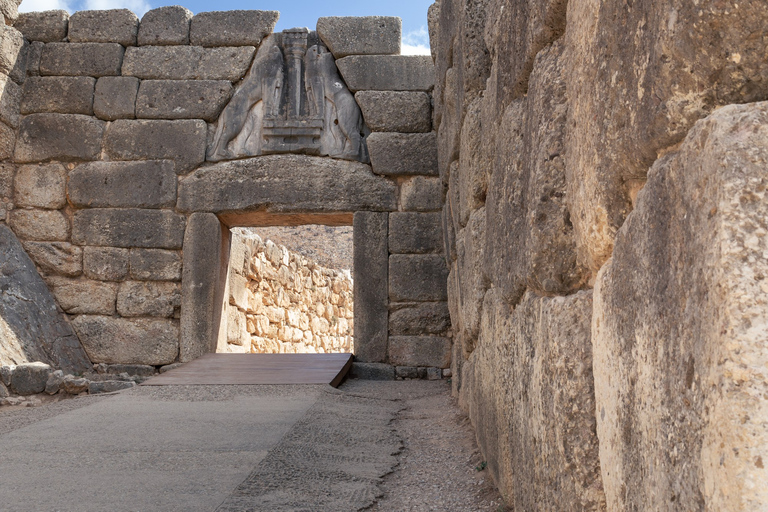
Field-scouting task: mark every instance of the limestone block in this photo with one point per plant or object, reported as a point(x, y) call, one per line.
point(104, 26)
point(387, 72)
point(60, 94)
point(187, 62)
point(40, 225)
point(30, 378)
point(12, 55)
point(115, 97)
point(34, 51)
point(471, 278)
point(363, 35)
point(286, 183)
point(420, 351)
point(148, 298)
point(58, 136)
point(105, 263)
point(155, 265)
point(182, 99)
point(182, 141)
point(225, 63)
point(74, 385)
point(7, 173)
point(421, 194)
point(128, 227)
point(413, 319)
point(147, 184)
point(56, 258)
point(238, 291)
point(10, 11)
point(109, 386)
point(84, 296)
point(474, 165)
point(7, 141)
point(165, 26)
point(415, 233)
point(680, 379)
point(81, 59)
point(396, 111)
point(128, 341)
point(237, 328)
point(9, 101)
point(141, 370)
point(232, 28)
point(41, 186)
point(372, 371)
point(45, 26)
point(403, 153)
point(417, 278)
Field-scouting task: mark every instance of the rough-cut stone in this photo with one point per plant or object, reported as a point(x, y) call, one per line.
point(165, 26)
point(34, 51)
point(286, 183)
point(680, 379)
point(155, 265)
point(7, 141)
point(105, 263)
point(107, 26)
point(183, 141)
point(83, 296)
point(474, 166)
point(109, 386)
point(225, 63)
point(115, 97)
point(413, 319)
point(81, 59)
point(372, 371)
point(56, 258)
point(12, 54)
point(30, 378)
point(128, 227)
point(411, 372)
point(420, 351)
point(370, 285)
point(141, 370)
point(148, 298)
point(148, 184)
point(58, 136)
point(9, 10)
point(415, 233)
point(364, 35)
point(40, 225)
point(54, 382)
point(396, 111)
point(9, 101)
point(128, 341)
point(182, 99)
point(403, 153)
point(6, 373)
point(45, 26)
point(232, 28)
point(60, 94)
point(417, 277)
point(421, 194)
point(74, 385)
point(41, 186)
point(471, 279)
point(387, 72)
point(187, 62)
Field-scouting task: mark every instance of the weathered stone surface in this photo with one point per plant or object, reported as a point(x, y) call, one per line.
point(148, 298)
point(115, 97)
point(418, 278)
point(697, 353)
point(182, 99)
point(12, 54)
point(421, 194)
point(41, 186)
point(54, 382)
point(147, 184)
point(165, 26)
point(187, 62)
point(155, 265)
point(9, 101)
point(30, 378)
point(105, 263)
point(474, 166)
point(74, 385)
point(60, 136)
point(403, 153)
point(415, 233)
point(81, 59)
point(128, 341)
point(128, 227)
point(225, 63)
point(60, 94)
point(471, 279)
point(396, 111)
point(34, 51)
point(7, 141)
point(7, 173)
point(104, 26)
point(286, 183)
point(56, 258)
point(183, 141)
point(418, 318)
point(45, 26)
point(32, 328)
point(109, 386)
point(370, 285)
point(40, 225)
point(411, 372)
point(232, 28)
point(387, 72)
point(363, 35)
point(141, 370)
point(84, 296)
point(372, 371)
point(9, 10)
point(420, 351)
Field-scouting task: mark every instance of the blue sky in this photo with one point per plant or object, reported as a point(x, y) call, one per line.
point(297, 13)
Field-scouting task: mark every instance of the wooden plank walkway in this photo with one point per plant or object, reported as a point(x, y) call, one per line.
point(258, 369)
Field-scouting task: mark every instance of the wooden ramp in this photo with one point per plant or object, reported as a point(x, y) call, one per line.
point(258, 369)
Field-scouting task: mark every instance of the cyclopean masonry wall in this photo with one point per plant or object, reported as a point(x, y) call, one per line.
point(140, 143)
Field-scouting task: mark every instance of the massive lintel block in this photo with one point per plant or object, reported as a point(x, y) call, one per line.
point(232, 28)
point(81, 59)
point(147, 184)
point(45, 26)
point(182, 99)
point(387, 72)
point(364, 35)
point(187, 62)
point(403, 153)
point(104, 26)
point(60, 136)
point(162, 229)
point(165, 26)
point(396, 111)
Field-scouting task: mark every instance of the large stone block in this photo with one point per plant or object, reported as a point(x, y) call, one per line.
point(128, 341)
point(104, 26)
point(370, 285)
point(681, 348)
point(58, 136)
point(188, 62)
point(9, 9)
point(418, 318)
point(403, 153)
point(30, 378)
point(421, 194)
point(363, 35)
point(128, 227)
point(34, 50)
point(182, 99)
point(475, 164)
point(10, 101)
point(45, 26)
point(147, 184)
point(387, 72)
point(84, 296)
point(165, 26)
point(182, 141)
point(40, 186)
point(7, 173)
point(286, 183)
point(59, 94)
point(471, 278)
point(105, 263)
point(12, 53)
point(155, 265)
point(7, 141)
point(232, 28)
point(39, 225)
point(396, 111)
point(56, 258)
point(148, 298)
point(81, 59)
point(415, 233)
point(417, 278)
point(225, 63)
point(115, 97)
point(431, 351)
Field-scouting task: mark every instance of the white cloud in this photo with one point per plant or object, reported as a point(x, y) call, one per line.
point(419, 49)
point(43, 5)
point(137, 6)
point(415, 42)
